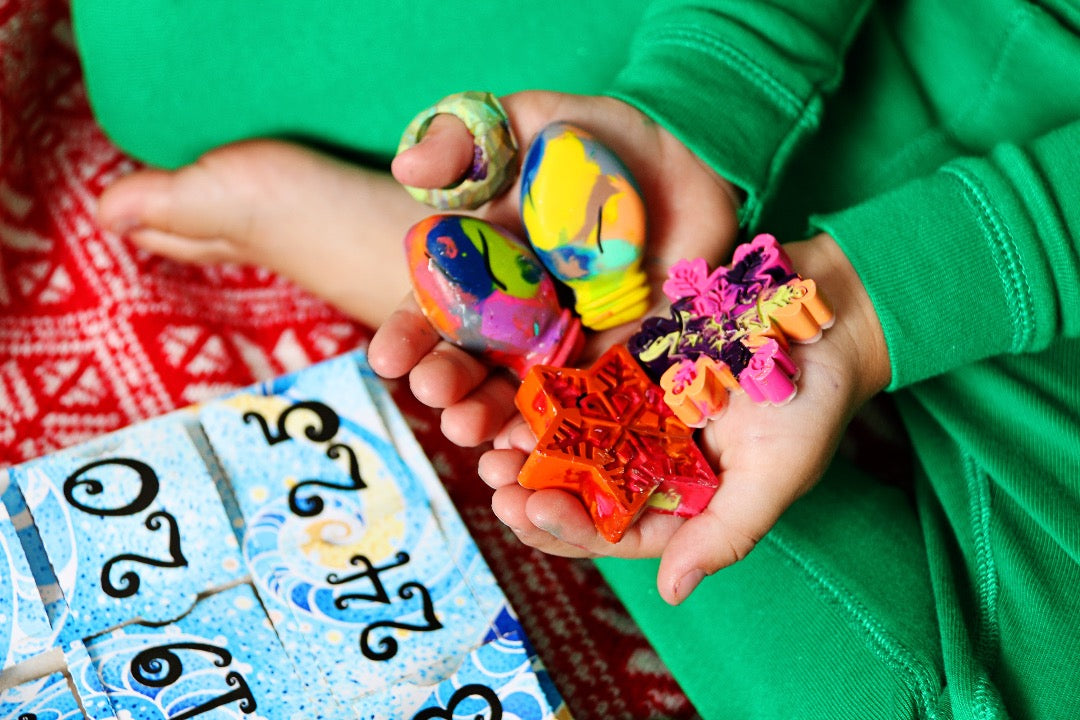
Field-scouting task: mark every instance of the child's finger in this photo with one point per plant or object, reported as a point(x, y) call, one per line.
point(445, 375)
point(500, 468)
point(515, 435)
point(509, 503)
point(482, 413)
point(705, 544)
point(564, 517)
point(402, 341)
point(441, 158)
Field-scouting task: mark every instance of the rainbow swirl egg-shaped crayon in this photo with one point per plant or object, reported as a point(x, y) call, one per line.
point(484, 290)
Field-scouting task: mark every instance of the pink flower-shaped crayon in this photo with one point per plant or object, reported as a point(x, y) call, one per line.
point(770, 376)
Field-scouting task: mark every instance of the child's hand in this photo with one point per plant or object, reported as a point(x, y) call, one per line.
point(691, 213)
point(766, 456)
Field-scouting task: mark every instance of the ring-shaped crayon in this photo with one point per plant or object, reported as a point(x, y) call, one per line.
point(494, 148)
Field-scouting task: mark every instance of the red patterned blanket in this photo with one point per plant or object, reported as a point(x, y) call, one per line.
point(96, 335)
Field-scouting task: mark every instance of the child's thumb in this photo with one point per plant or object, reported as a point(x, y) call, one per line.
point(739, 515)
point(703, 545)
point(441, 159)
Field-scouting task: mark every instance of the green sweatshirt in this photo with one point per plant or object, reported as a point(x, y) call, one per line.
point(937, 140)
point(939, 143)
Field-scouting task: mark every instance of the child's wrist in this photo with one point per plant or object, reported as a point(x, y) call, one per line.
point(857, 334)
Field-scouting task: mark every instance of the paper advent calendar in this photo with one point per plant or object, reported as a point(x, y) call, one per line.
point(285, 552)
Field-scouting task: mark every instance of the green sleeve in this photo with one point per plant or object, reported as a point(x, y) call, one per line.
point(976, 260)
point(740, 82)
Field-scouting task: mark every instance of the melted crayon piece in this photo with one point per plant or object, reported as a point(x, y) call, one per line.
point(483, 290)
point(741, 317)
point(697, 391)
point(586, 220)
point(770, 376)
point(606, 435)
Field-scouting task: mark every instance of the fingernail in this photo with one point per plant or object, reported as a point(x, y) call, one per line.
point(687, 584)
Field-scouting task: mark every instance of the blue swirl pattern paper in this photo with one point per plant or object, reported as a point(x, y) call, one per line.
point(88, 687)
point(24, 626)
point(489, 596)
point(132, 526)
point(340, 537)
point(48, 698)
point(222, 660)
point(284, 552)
point(495, 680)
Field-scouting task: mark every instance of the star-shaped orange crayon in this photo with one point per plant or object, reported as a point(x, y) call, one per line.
point(606, 435)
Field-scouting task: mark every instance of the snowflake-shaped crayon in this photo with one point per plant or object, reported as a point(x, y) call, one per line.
point(606, 435)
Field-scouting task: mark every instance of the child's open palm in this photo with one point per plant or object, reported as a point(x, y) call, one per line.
point(766, 456)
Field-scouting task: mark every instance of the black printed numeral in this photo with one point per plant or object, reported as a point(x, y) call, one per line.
point(313, 504)
point(129, 581)
point(79, 482)
point(462, 693)
point(324, 429)
point(148, 487)
point(385, 647)
point(370, 572)
point(388, 646)
point(161, 667)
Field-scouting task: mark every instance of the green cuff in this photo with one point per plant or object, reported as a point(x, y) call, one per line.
point(950, 264)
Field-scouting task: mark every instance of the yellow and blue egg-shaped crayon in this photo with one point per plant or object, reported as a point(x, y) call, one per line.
point(586, 220)
point(484, 290)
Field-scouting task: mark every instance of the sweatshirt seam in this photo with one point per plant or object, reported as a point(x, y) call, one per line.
point(1005, 253)
point(803, 113)
point(986, 582)
point(732, 57)
point(789, 140)
point(881, 642)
